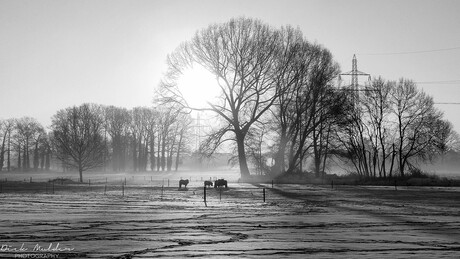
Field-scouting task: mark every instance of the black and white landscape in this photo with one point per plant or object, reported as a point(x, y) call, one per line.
point(229, 129)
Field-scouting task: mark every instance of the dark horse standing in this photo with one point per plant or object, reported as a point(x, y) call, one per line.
point(220, 182)
point(207, 183)
point(183, 182)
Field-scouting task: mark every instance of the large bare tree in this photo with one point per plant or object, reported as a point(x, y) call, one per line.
point(241, 54)
point(78, 137)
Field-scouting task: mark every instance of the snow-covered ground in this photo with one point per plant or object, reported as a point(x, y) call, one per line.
point(297, 221)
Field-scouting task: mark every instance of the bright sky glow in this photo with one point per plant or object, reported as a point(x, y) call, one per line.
point(198, 86)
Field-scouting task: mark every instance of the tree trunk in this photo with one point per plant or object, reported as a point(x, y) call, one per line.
point(36, 158)
point(152, 153)
point(163, 154)
point(280, 165)
point(178, 149)
point(47, 160)
point(24, 159)
point(81, 175)
point(8, 163)
point(19, 157)
point(244, 169)
point(134, 154)
point(159, 155)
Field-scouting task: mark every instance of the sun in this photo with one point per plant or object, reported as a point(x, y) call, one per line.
point(198, 86)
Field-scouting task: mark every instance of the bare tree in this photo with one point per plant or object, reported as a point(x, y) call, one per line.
point(78, 137)
point(421, 131)
point(6, 128)
point(28, 132)
point(307, 101)
point(117, 126)
point(241, 54)
point(394, 124)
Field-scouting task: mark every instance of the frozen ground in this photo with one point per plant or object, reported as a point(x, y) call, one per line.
point(295, 221)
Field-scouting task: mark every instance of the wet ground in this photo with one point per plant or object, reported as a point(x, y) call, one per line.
point(295, 221)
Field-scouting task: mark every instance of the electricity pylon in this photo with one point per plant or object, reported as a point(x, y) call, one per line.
point(354, 87)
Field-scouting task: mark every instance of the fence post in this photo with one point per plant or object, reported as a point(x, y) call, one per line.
point(46, 188)
point(204, 196)
point(105, 189)
point(332, 184)
point(264, 194)
point(123, 190)
point(272, 184)
point(125, 180)
point(162, 191)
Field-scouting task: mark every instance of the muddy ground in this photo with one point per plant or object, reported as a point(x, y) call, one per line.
point(145, 220)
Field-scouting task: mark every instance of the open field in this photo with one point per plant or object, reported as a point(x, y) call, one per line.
point(144, 220)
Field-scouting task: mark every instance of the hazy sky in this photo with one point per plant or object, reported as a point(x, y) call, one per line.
point(56, 54)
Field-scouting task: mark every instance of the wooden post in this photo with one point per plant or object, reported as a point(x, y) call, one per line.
point(123, 190)
point(264, 194)
point(125, 180)
point(272, 184)
point(204, 196)
point(105, 189)
point(332, 184)
point(46, 188)
point(162, 191)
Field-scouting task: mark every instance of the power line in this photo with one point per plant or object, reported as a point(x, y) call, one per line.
point(448, 103)
point(447, 82)
point(408, 52)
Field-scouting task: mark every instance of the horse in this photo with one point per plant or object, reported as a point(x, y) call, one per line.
point(207, 183)
point(220, 182)
point(183, 182)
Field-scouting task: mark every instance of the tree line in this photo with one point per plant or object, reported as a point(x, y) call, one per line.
point(92, 136)
point(280, 107)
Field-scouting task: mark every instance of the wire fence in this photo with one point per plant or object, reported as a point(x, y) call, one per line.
point(143, 188)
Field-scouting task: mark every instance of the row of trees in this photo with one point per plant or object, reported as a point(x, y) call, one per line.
point(93, 136)
point(25, 140)
point(279, 107)
point(393, 125)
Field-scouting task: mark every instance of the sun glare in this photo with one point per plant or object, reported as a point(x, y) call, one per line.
point(198, 86)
